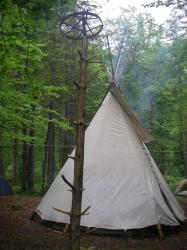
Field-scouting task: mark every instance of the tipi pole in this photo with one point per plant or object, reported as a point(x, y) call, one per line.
point(160, 232)
point(111, 64)
point(119, 53)
point(79, 154)
point(80, 29)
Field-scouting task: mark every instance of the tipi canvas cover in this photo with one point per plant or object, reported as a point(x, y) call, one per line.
point(123, 185)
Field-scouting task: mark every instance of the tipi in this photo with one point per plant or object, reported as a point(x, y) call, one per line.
point(123, 186)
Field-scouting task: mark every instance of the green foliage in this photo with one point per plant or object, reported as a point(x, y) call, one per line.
point(178, 3)
point(18, 207)
point(153, 76)
point(27, 58)
point(172, 181)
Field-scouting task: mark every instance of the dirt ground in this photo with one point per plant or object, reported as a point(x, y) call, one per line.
point(18, 232)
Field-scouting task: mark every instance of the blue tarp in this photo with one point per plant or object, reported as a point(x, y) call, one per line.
point(5, 188)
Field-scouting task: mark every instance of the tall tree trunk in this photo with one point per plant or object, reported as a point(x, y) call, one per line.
point(51, 125)
point(79, 154)
point(51, 143)
point(182, 135)
point(1, 158)
point(49, 152)
point(66, 139)
point(44, 164)
point(66, 150)
point(162, 159)
point(1, 161)
point(25, 160)
point(162, 154)
point(60, 149)
point(28, 157)
point(15, 160)
point(31, 162)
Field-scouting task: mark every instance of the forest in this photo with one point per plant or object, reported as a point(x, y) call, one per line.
point(52, 87)
point(38, 98)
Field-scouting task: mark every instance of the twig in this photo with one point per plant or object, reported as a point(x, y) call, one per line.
point(84, 212)
point(27, 37)
point(67, 182)
point(76, 84)
point(61, 211)
point(74, 188)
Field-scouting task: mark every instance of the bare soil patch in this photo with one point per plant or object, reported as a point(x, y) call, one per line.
point(18, 232)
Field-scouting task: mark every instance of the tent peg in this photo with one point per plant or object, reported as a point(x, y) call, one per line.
point(66, 228)
point(160, 232)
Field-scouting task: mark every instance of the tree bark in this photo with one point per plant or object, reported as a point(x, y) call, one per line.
point(79, 154)
point(30, 180)
point(66, 139)
point(15, 160)
point(182, 135)
point(51, 142)
point(25, 160)
point(44, 164)
point(28, 162)
point(1, 161)
point(1, 158)
point(51, 126)
point(49, 152)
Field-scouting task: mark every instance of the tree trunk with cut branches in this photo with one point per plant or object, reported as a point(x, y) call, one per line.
point(79, 154)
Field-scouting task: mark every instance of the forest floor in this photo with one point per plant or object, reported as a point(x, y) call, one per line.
point(18, 232)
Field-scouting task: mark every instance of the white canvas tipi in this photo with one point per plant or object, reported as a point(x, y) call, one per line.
point(123, 186)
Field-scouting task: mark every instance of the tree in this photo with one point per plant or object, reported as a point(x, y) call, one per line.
point(23, 52)
point(149, 80)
